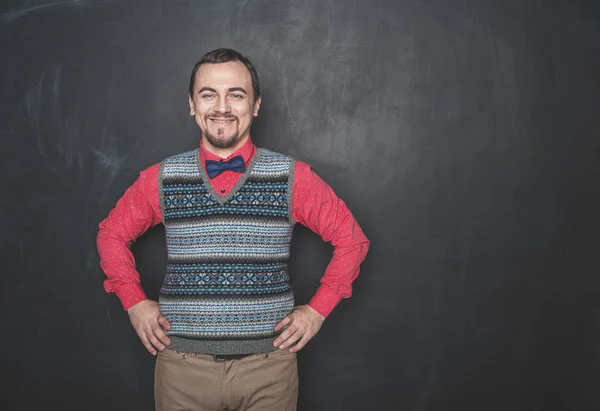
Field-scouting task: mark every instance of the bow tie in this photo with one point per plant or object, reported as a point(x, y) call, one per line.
point(214, 168)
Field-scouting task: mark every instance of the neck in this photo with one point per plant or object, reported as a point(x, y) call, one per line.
point(224, 152)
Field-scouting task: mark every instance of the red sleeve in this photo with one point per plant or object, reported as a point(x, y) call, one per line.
point(135, 212)
point(315, 205)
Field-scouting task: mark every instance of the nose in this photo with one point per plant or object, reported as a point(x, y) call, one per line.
point(222, 106)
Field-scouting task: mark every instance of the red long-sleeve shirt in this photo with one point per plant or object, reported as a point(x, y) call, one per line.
point(314, 205)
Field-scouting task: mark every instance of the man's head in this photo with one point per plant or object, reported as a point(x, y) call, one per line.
point(224, 96)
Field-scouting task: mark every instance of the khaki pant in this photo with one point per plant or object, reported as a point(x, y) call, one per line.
point(189, 381)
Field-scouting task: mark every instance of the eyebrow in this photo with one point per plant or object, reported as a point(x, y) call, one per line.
point(203, 89)
point(238, 89)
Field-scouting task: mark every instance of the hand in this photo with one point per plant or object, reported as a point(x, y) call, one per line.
point(303, 323)
point(149, 323)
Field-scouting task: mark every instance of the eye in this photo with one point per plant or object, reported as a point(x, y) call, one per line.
point(207, 96)
point(237, 96)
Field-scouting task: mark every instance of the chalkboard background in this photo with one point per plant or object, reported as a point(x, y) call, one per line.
point(463, 135)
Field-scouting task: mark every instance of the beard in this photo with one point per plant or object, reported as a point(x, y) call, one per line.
point(219, 140)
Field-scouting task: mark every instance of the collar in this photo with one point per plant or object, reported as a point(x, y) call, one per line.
point(247, 151)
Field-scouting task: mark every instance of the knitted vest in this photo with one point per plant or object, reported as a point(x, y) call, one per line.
point(227, 284)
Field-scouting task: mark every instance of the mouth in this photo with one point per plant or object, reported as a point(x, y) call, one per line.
point(222, 121)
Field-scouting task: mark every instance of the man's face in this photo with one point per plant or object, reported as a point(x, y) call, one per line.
point(223, 103)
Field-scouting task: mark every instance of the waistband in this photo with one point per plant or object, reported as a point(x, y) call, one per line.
point(227, 347)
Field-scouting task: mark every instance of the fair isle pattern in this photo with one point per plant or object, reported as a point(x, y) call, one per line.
point(227, 276)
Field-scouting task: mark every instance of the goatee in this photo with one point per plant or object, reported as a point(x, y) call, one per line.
point(221, 141)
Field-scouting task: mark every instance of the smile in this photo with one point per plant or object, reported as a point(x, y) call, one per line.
point(223, 121)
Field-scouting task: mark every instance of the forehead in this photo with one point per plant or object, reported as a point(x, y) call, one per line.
point(223, 75)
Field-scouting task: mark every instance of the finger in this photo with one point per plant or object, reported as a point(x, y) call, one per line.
point(152, 337)
point(285, 335)
point(160, 334)
point(291, 340)
point(303, 341)
point(164, 323)
point(146, 343)
point(287, 320)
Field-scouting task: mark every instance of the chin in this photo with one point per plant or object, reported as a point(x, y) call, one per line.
point(223, 142)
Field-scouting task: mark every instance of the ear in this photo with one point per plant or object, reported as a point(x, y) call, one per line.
point(192, 107)
point(256, 107)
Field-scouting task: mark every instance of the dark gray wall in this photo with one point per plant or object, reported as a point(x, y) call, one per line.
point(464, 136)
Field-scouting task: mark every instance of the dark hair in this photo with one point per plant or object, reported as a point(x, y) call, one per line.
point(225, 56)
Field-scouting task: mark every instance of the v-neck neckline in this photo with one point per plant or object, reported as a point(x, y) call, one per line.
point(223, 199)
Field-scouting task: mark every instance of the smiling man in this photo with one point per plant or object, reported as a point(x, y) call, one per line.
point(224, 105)
point(226, 329)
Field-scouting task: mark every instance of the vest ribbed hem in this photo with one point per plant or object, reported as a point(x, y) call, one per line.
point(222, 347)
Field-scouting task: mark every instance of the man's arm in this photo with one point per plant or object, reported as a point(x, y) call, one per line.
point(134, 214)
point(316, 206)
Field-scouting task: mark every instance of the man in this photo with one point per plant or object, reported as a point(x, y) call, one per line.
point(225, 329)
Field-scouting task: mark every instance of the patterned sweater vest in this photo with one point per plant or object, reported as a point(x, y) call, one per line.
point(227, 284)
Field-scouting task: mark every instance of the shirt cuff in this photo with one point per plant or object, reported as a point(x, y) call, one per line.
point(130, 294)
point(324, 300)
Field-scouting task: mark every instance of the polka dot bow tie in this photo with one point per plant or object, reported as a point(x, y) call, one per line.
point(214, 168)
